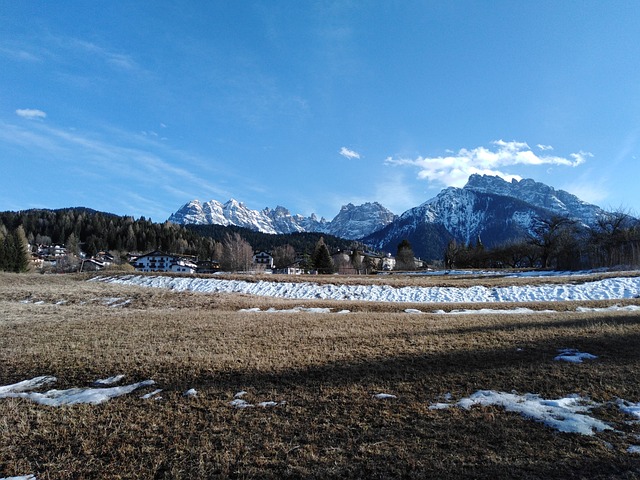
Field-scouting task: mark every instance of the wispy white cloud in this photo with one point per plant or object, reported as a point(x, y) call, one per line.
point(18, 53)
point(116, 60)
point(455, 168)
point(544, 148)
point(31, 113)
point(348, 153)
point(145, 162)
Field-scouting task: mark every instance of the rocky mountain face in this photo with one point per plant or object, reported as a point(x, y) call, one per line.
point(359, 221)
point(351, 222)
point(487, 207)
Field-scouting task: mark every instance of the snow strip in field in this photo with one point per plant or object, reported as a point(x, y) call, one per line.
point(292, 310)
point(21, 477)
point(564, 414)
point(573, 356)
point(493, 311)
point(610, 288)
point(71, 396)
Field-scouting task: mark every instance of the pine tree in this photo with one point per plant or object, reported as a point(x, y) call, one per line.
point(22, 261)
point(321, 258)
point(405, 256)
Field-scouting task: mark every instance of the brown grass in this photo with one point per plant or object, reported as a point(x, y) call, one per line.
point(326, 367)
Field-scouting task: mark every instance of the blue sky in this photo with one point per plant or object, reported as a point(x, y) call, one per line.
point(136, 108)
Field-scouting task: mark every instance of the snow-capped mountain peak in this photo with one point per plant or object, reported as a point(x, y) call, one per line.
point(487, 207)
point(352, 221)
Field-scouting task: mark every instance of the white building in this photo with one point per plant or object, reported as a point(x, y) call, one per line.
point(263, 260)
point(158, 261)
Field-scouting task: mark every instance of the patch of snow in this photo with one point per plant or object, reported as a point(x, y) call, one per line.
point(270, 404)
point(27, 385)
point(564, 414)
point(289, 310)
point(115, 302)
point(613, 308)
point(413, 311)
point(629, 408)
point(153, 395)
point(71, 396)
point(384, 396)
point(574, 356)
point(634, 449)
point(240, 394)
point(494, 311)
point(192, 392)
point(108, 381)
point(240, 403)
point(20, 477)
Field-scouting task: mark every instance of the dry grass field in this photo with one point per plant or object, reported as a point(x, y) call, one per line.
point(322, 370)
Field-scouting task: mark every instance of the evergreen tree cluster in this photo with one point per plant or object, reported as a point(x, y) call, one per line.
point(321, 258)
point(304, 243)
point(92, 231)
point(14, 253)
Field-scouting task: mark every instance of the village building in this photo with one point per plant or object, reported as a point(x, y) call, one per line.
point(158, 261)
point(208, 266)
point(263, 261)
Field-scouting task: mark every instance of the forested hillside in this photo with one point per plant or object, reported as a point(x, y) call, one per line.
point(91, 231)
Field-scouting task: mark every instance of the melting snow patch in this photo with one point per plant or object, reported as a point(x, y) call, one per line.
point(613, 308)
point(192, 392)
point(384, 396)
point(629, 408)
point(574, 356)
point(634, 449)
point(152, 395)
point(21, 477)
point(270, 404)
point(493, 311)
point(290, 310)
point(240, 403)
point(413, 311)
point(107, 381)
point(27, 385)
point(564, 414)
point(71, 396)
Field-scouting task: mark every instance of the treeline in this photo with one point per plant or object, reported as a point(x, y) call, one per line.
point(304, 243)
point(558, 243)
point(90, 231)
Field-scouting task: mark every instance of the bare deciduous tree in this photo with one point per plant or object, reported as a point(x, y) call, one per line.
point(237, 254)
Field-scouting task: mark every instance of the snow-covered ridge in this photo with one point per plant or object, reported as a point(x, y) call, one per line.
point(351, 222)
point(610, 288)
point(487, 207)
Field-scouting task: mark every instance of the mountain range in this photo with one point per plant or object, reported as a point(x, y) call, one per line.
point(351, 222)
point(487, 208)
